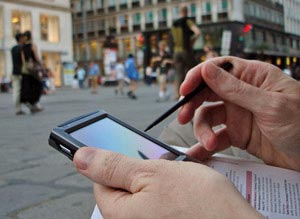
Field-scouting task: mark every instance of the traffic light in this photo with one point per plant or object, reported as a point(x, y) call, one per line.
point(247, 28)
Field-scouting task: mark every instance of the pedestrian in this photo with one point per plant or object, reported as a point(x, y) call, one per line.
point(133, 75)
point(32, 88)
point(80, 72)
point(94, 74)
point(253, 123)
point(16, 72)
point(162, 61)
point(209, 52)
point(120, 76)
point(184, 33)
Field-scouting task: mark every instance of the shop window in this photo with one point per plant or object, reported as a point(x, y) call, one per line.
point(21, 21)
point(49, 28)
point(127, 46)
point(82, 51)
point(94, 50)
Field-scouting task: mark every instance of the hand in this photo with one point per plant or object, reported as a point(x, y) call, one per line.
point(137, 189)
point(260, 110)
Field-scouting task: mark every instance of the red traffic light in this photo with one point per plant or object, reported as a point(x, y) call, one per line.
point(247, 28)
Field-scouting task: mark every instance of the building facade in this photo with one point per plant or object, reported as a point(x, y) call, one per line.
point(247, 28)
point(51, 26)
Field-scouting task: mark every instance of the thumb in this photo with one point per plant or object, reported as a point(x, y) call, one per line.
point(111, 169)
point(233, 89)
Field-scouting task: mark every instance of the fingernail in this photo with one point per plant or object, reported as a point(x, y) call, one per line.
point(83, 157)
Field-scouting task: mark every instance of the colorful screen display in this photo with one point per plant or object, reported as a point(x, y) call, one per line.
point(110, 135)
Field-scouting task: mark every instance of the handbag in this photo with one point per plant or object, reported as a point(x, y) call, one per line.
point(30, 67)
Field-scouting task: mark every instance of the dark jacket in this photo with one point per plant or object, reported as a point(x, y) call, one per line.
point(16, 59)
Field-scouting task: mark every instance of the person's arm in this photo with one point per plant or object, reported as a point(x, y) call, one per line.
point(260, 110)
point(195, 29)
point(35, 53)
point(159, 188)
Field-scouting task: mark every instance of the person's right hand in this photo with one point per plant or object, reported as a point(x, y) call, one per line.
point(261, 110)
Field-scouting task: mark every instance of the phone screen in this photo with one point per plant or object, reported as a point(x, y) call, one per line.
point(110, 135)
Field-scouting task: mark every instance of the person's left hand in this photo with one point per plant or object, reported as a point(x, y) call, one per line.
point(132, 188)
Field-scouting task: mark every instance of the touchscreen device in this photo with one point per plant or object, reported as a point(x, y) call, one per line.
point(101, 130)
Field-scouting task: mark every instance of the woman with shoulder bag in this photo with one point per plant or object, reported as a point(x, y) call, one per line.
point(32, 87)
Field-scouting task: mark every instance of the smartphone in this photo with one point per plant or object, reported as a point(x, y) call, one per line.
point(101, 130)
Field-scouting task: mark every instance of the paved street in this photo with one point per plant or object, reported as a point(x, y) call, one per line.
point(38, 182)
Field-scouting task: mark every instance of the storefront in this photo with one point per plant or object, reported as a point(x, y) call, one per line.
point(53, 61)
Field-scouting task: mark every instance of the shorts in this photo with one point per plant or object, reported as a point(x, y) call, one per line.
point(162, 79)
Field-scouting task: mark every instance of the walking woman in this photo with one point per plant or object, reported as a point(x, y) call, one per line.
point(32, 87)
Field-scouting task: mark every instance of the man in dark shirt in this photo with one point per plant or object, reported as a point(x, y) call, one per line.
point(16, 73)
point(184, 32)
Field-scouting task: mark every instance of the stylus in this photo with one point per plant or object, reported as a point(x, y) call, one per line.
point(227, 66)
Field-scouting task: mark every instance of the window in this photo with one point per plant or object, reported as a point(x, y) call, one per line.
point(123, 19)
point(99, 3)
point(112, 24)
point(135, 3)
point(49, 28)
point(1, 23)
point(149, 17)
point(193, 9)
point(136, 19)
point(206, 11)
point(162, 14)
point(222, 5)
point(88, 5)
point(101, 25)
point(123, 4)
point(77, 6)
point(111, 3)
point(93, 50)
point(206, 7)
point(90, 26)
point(21, 21)
point(175, 13)
point(148, 2)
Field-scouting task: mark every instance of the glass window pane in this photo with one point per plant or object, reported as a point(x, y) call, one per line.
point(20, 21)
point(49, 28)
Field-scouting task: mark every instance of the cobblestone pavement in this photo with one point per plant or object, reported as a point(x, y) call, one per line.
point(38, 182)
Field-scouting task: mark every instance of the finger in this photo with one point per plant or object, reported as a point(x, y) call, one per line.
point(199, 151)
point(186, 113)
point(230, 88)
point(112, 169)
point(206, 118)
